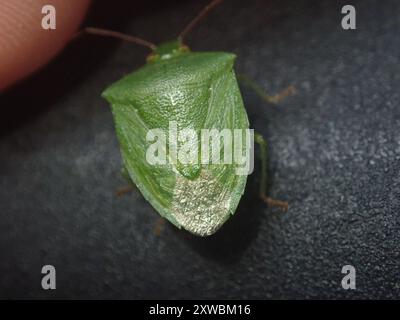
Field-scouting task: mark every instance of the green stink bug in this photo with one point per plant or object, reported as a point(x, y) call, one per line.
point(195, 90)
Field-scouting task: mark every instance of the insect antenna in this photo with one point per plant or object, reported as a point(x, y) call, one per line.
point(117, 35)
point(200, 16)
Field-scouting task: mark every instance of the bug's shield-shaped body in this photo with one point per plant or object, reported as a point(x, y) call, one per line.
point(198, 91)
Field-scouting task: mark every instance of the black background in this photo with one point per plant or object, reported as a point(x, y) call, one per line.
point(334, 155)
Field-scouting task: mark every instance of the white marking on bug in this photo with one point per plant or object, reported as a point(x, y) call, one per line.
point(175, 96)
point(198, 205)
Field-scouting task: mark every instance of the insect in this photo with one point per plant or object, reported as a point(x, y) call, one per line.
point(197, 90)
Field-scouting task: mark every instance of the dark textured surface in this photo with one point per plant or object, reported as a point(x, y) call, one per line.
point(334, 150)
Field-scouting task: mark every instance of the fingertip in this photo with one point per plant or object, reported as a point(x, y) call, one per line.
point(24, 45)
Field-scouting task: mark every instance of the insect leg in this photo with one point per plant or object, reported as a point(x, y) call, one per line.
point(260, 92)
point(283, 205)
point(160, 222)
point(126, 189)
point(159, 226)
